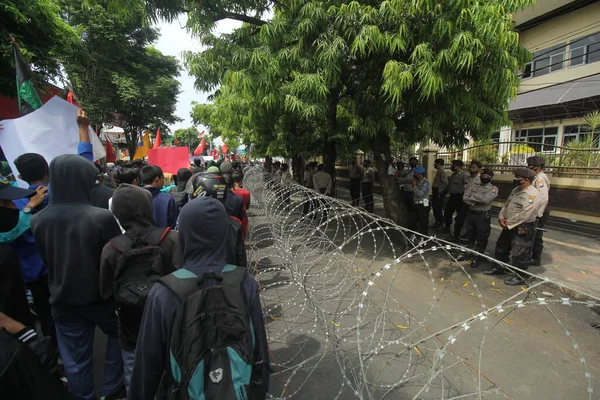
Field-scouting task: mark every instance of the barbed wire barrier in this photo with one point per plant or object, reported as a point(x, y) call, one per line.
point(357, 307)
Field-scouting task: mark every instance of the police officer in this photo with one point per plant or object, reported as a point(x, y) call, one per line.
point(440, 184)
point(517, 219)
point(456, 187)
point(419, 218)
point(355, 174)
point(368, 181)
point(542, 183)
point(471, 181)
point(479, 198)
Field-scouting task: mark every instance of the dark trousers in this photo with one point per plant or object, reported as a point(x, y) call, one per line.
point(355, 191)
point(76, 346)
point(41, 298)
point(538, 242)
point(476, 230)
point(437, 201)
point(419, 219)
point(455, 204)
point(514, 245)
point(367, 195)
point(407, 197)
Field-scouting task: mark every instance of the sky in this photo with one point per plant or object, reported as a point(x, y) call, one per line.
point(173, 41)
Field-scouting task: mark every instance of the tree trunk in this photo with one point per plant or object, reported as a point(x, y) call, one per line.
point(298, 169)
point(392, 203)
point(132, 141)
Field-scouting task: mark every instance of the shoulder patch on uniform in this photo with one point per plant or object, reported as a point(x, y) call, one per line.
point(494, 189)
point(531, 198)
point(540, 183)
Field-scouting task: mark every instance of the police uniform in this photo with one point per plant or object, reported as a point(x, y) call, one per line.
point(440, 184)
point(476, 230)
point(542, 183)
point(355, 174)
point(368, 181)
point(419, 220)
point(456, 188)
point(519, 212)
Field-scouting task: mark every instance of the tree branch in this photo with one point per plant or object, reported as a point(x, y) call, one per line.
point(241, 17)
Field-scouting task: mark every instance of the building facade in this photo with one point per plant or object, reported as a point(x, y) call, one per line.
point(562, 82)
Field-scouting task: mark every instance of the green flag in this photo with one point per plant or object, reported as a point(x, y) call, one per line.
point(29, 99)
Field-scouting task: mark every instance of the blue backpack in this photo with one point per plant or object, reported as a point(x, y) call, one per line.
point(212, 342)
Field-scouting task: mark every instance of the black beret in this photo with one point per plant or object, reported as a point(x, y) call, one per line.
point(535, 160)
point(487, 171)
point(525, 173)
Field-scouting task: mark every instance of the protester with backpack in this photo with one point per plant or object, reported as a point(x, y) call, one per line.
point(131, 263)
point(199, 337)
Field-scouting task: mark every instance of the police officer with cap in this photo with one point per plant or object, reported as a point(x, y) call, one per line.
point(456, 188)
point(542, 183)
point(476, 229)
point(517, 219)
point(419, 218)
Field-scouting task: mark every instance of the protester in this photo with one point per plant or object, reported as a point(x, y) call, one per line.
point(28, 364)
point(202, 233)
point(178, 192)
point(70, 234)
point(143, 251)
point(12, 290)
point(102, 190)
point(129, 176)
point(33, 169)
point(238, 188)
point(164, 207)
point(168, 184)
point(234, 204)
point(7, 174)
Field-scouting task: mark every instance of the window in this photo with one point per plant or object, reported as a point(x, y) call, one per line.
point(548, 60)
point(495, 137)
point(585, 50)
point(576, 132)
point(541, 139)
point(527, 71)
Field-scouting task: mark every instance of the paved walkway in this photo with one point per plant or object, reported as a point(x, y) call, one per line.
point(568, 258)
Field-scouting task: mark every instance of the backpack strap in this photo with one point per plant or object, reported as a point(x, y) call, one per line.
point(124, 242)
point(182, 283)
point(233, 276)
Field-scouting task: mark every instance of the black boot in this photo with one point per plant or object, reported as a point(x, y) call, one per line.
point(475, 262)
point(535, 262)
point(495, 271)
point(515, 280)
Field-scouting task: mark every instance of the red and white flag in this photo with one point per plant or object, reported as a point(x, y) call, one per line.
point(200, 149)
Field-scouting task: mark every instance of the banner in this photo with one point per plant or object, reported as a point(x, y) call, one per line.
point(50, 131)
point(170, 159)
point(143, 147)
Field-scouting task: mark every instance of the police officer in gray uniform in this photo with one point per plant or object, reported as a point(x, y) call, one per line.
point(419, 218)
point(541, 183)
point(517, 219)
point(456, 188)
point(479, 198)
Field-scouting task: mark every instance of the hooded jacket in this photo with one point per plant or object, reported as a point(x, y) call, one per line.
point(164, 208)
point(132, 206)
point(70, 234)
point(202, 234)
point(179, 193)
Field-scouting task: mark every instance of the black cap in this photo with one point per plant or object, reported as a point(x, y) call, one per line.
point(525, 173)
point(9, 192)
point(487, 171)
point(477, 163)
point(535, 160)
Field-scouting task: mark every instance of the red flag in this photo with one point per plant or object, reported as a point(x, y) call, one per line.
point(110, 152)
point(157, 141)
point(201, 135)
point(200, 149)
point(70, 96)
point(215, 154)
point(224, 149)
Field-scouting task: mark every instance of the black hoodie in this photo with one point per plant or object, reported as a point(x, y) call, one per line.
point(132, 206)
point(70, 234)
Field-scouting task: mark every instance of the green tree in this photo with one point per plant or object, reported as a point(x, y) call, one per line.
point(187, 137)
point(43, 37)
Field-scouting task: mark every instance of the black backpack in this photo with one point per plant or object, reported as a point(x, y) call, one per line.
point(212, 340)
point(139, 267)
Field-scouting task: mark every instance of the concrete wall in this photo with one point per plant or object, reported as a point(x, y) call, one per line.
point(561, 30)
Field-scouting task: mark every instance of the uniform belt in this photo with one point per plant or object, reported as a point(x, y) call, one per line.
point(479, 211)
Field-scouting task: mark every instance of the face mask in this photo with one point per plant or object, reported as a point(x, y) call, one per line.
point(517, 182)
point(486, 180)
point(9, 218)
point(413, 165)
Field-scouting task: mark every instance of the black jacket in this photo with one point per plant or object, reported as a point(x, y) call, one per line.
point(70, 234)
point(12, 290)
point(26, 368)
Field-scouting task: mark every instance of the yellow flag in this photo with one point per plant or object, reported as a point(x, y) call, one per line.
point(143, 147)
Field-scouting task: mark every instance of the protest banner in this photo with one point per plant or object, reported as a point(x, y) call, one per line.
point(49, 131)
point(170, 159)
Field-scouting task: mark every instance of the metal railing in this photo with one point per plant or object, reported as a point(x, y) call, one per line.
point(503, 157)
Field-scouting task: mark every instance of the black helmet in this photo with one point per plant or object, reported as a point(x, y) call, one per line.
point(209, 184)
